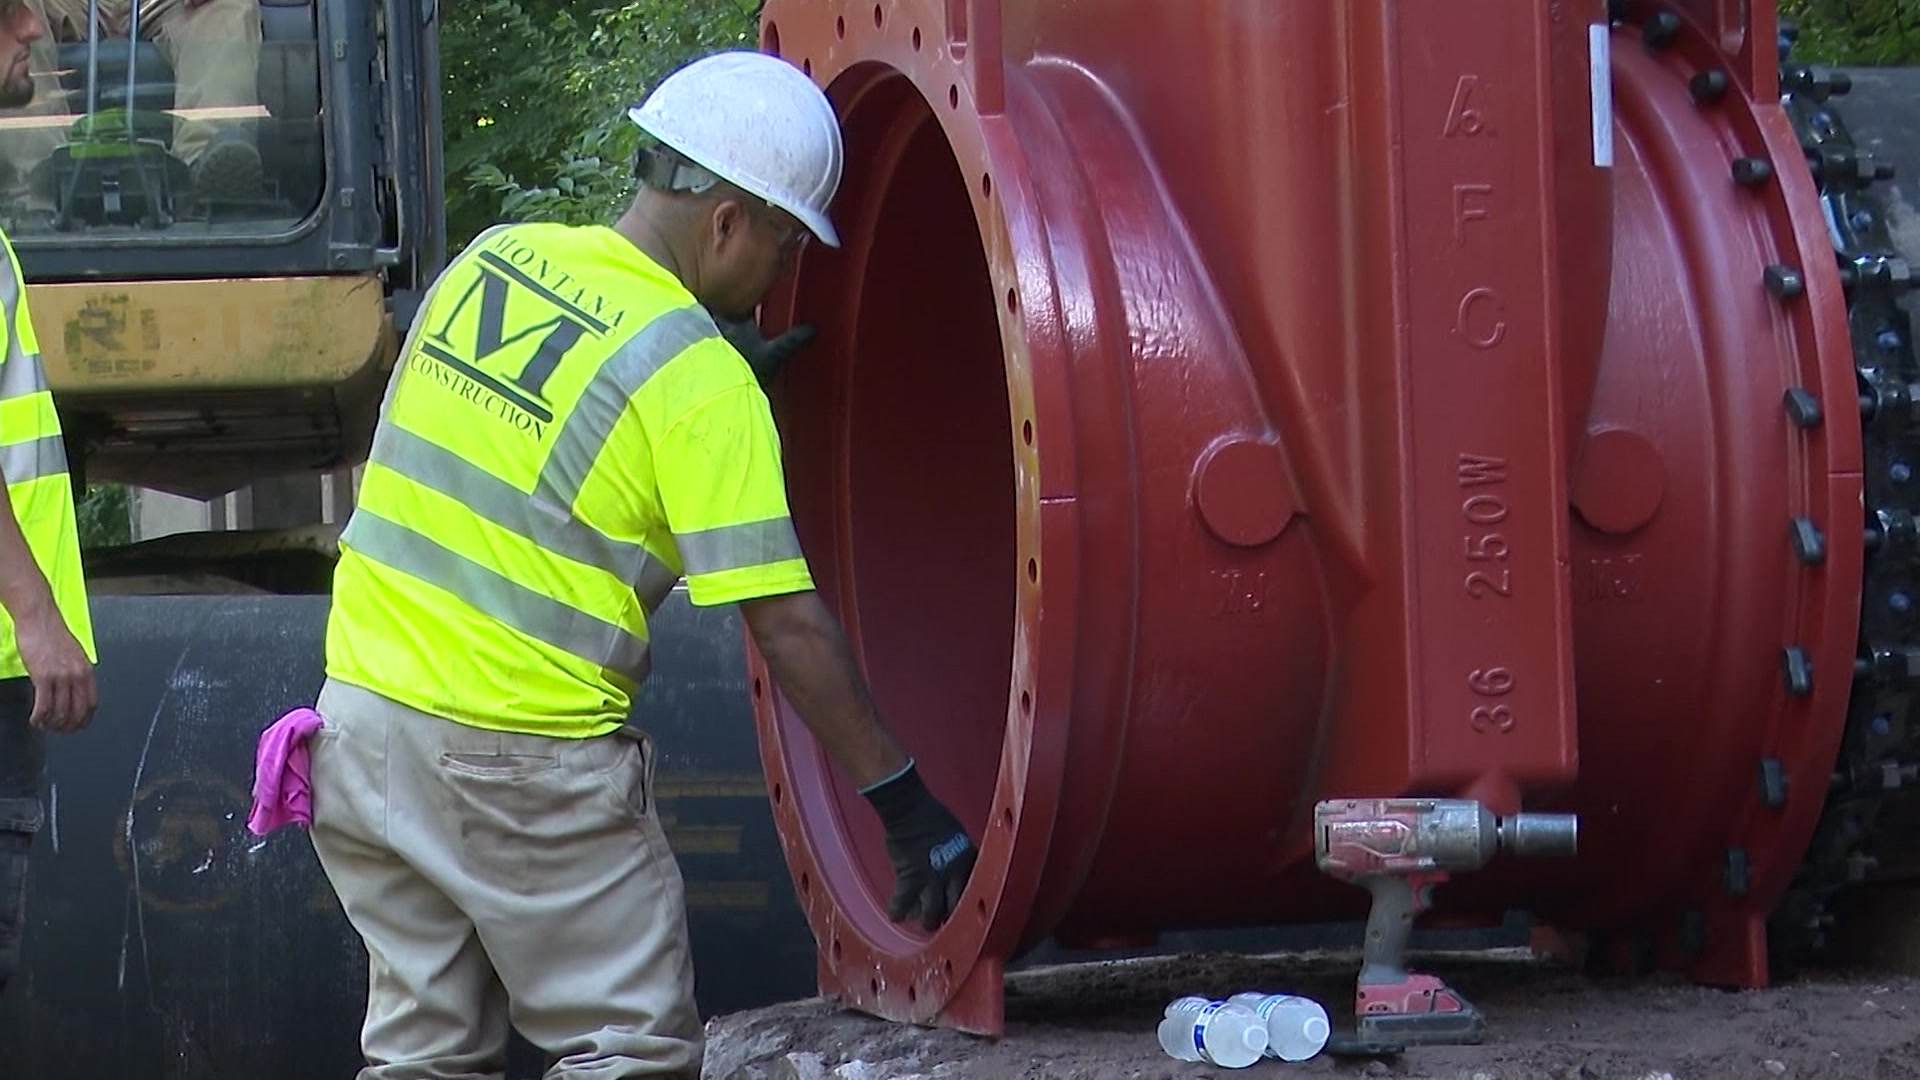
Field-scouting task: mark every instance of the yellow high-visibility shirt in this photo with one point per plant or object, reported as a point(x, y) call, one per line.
point(567, 435)
point(33, 457)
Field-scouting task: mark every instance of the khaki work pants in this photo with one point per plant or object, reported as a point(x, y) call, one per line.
point(213, 48)
point(499, 878)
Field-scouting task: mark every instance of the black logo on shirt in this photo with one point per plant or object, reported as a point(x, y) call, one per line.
point(530, 315)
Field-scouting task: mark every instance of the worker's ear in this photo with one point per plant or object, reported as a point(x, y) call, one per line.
point(730, 224)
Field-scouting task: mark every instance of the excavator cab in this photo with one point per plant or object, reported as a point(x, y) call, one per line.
point(223, 240)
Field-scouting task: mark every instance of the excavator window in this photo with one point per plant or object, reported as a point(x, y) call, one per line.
point(179, 117)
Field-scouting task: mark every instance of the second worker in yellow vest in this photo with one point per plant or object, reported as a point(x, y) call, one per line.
point(46, 632)
point(569, 434)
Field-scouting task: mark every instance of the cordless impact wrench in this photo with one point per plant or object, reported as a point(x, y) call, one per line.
point(1398, 850)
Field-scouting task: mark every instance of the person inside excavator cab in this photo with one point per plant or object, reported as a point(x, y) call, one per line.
point(213, 48)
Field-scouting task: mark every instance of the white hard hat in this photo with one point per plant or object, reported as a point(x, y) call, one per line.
point(755, 121)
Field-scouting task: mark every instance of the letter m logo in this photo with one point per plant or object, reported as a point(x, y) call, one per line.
point(517, 324)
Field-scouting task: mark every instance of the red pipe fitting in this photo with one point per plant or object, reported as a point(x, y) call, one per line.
point(1200, 394)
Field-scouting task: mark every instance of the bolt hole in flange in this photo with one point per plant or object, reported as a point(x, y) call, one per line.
point(899, 449)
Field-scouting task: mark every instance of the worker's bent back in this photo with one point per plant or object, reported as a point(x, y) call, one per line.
point(565, 428)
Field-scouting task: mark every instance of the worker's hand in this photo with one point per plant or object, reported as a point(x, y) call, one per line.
point(763, 356)
point(64, 695)
point(932, 855)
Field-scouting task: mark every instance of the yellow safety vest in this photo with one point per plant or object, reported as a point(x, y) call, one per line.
point(566, 435)
point(34, 459)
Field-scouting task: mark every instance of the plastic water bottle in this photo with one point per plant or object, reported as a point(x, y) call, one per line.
point(1217, 1033)
point(1297, 1027)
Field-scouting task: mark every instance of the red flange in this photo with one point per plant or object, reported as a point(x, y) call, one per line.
point(1717, 559)
point(1199, 398)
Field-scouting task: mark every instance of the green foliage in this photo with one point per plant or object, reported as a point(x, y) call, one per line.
point(1860, 33)
point(536, 92)
point(105, 514)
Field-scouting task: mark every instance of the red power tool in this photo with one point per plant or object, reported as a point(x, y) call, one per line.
point(1399, 849)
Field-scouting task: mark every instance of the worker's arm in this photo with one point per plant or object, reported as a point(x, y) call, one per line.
point(723, 489)
point(808, 656)
point(64, 695)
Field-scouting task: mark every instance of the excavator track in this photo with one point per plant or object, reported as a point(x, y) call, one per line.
point(1866, 829)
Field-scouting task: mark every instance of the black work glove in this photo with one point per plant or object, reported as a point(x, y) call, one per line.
point(932, 855)
point(763, 356)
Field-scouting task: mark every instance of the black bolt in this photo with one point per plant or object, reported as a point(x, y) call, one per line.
point(1797, 666)
point(1773, 783)
point(1809, 545)
point(1738, 871)
point(1891, 664)
point(1884, 272)
point(1710, 85)
point(1845, 168)
point(1784, 282)
point(1661, 30)
point(1892, 528)
point(1819, 85)
point(1752, 171)
point(1617, 11)
point(1802, 407)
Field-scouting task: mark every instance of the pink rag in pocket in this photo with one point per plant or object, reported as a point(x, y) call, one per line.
point(282, 792)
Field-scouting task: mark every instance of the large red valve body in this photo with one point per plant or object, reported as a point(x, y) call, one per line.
point(1225, 405)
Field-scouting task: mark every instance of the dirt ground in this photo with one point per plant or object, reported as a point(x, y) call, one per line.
point(1097, 1021)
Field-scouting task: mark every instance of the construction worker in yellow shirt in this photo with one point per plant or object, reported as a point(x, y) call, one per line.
point(46, 632)
point(567, 436)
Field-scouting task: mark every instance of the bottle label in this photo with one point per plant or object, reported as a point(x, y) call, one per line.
point(1200, 1029)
